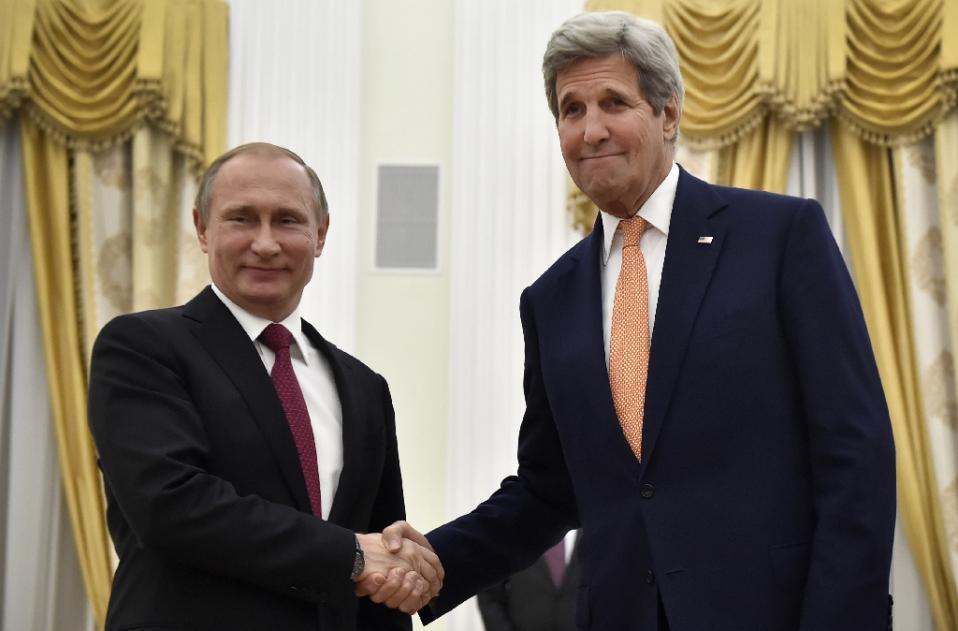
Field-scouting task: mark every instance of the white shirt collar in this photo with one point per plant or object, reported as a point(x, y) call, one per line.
point(657, 210)
point(253, 325)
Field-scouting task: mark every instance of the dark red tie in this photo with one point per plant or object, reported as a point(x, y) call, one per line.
point(555, 559)
point(277, 339)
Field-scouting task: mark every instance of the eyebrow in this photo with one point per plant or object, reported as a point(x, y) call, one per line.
point(565, 99)
point(609, 92)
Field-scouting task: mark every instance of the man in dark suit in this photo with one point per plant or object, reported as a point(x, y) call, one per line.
point(538, 598)
point(241, 452)
point(701, 395)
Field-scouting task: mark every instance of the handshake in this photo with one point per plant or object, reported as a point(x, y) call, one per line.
point(401, 569)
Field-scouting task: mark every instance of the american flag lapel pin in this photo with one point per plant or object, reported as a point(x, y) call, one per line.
point(707, 240)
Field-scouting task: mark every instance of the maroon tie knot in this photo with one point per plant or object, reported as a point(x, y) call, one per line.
point(276, 337)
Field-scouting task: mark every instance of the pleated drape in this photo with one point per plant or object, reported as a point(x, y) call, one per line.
point(88, 72)
point(875, 228)
point(759, 159)
point(47, 188)
point(882, 67)
point(84, 75)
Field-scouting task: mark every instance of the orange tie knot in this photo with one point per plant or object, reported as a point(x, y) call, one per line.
point(632, 230)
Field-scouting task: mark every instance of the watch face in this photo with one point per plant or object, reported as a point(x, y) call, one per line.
point(359, 562)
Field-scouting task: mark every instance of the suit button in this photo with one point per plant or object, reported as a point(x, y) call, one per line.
point(650, 577)
point(647, 491)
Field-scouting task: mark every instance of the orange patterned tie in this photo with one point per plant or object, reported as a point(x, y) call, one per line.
point(629, 345)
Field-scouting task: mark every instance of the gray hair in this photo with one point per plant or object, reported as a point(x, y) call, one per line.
point(205, 192)
point(597, 34)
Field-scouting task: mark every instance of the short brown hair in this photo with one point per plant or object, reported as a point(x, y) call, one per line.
point(202, 202)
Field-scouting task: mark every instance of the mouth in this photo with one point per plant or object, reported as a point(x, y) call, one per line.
point(599, 157)
point(263, 270)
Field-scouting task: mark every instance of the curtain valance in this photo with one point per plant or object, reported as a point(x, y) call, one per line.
point(887, 69)
point(89, 71)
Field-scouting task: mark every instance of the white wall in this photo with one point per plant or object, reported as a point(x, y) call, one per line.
point(402, 324)
point(294, 81)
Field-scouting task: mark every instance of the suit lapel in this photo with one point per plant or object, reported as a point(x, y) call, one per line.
point(224, 339)
point(349, 477)
point(577, 340)
point(685, 277)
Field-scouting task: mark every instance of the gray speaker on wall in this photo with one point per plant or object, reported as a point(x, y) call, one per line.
point(407, 216)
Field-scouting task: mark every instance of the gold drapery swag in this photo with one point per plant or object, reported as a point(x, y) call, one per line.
point(882, 68)
point(89, 72)
point(83, 75)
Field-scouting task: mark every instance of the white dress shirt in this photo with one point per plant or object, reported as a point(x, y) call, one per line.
point(569, 544)
point(657, 211)
point(316, 380)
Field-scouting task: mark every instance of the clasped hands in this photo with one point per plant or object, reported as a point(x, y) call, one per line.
point(402, 571)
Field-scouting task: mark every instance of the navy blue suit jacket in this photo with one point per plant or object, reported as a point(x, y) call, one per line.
point(765, 499)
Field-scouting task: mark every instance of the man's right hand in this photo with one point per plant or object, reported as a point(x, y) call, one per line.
point(399, 572)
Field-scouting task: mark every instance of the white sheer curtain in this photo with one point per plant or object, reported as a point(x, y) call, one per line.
point(508, 223)
point(40, 584)
point(812, 174)
point(295, 73)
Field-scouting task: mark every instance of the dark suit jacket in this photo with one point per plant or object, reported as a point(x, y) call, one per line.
point(206, 502)
point(530, 601)
point(765, 499)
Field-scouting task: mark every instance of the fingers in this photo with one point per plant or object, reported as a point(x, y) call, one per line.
point(426, 563)
point(400, 572)
point(409, 596)
point(377, 559)
point(395, 533)
point(369, 585)
point(391, 586)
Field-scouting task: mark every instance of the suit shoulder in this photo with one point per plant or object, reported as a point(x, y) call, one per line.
point(753, 202)
point(355, 366)
point(561, 264)
point(154, 320)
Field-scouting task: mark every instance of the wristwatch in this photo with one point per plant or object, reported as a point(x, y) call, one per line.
point(359, 562)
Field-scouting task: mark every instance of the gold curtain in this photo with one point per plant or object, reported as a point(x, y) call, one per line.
point(883, 74)
point(84, 75)
point(882, 67)
point(136, 247)
point(874, 225)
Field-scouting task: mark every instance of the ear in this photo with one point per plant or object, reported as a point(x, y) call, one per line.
point(200, 230)
point(670, 118)
point(321, 231)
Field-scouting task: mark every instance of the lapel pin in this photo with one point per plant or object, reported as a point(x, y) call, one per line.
point(705, 240)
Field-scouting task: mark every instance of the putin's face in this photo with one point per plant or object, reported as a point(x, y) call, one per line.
point(262, 235)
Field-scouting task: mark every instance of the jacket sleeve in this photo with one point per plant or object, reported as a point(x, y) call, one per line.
point(849, 432)
point(530, 512)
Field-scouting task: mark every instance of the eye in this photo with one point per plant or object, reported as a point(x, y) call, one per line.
point(572, 109)
point(289, 220)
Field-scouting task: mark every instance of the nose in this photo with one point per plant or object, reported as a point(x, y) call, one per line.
point(265, 243)
point(596, 130)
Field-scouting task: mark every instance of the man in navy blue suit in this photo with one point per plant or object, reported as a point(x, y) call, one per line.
point(737, 474)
